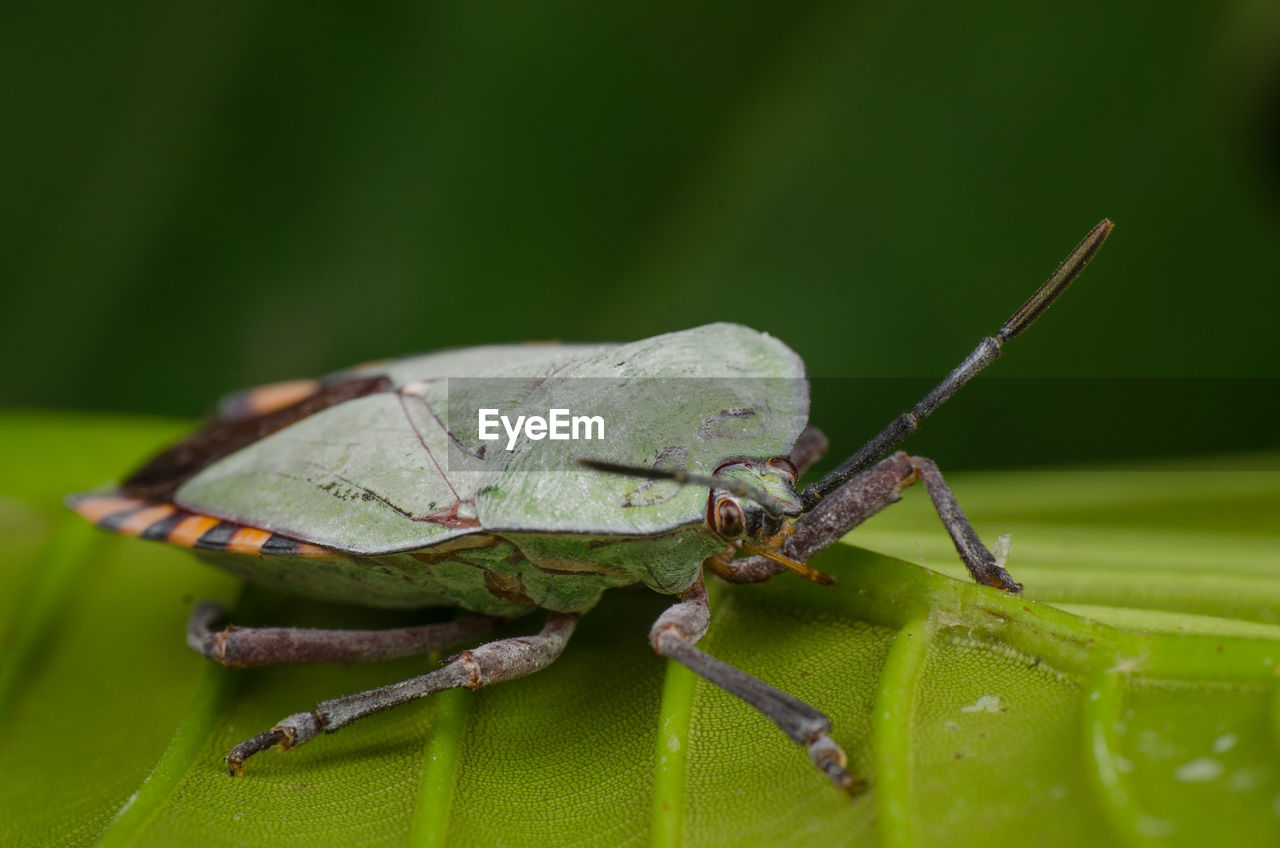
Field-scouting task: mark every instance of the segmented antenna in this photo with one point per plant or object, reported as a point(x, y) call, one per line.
point(982, 356)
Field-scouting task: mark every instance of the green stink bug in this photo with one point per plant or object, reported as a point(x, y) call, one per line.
point(370, 486)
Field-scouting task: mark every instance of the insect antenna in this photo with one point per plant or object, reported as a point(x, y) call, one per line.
point(982, 356)
point(689, 478)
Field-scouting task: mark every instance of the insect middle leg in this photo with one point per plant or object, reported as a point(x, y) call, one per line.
point(244, 647)
point(861, 498)
point(673, 635)
point(494, 662)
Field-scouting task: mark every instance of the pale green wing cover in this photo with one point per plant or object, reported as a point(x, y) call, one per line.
point(371, 475)
point(383, 473)
point(690, 399)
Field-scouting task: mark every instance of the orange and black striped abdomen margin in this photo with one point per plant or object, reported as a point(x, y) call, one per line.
point(168, 523)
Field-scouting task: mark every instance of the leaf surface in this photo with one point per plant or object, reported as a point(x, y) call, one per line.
point(1130, 698)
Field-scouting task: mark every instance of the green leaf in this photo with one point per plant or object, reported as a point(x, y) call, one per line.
point(1130, 697)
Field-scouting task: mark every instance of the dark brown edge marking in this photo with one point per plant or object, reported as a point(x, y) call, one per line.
point(113, 521)
point(144, 518)
point(217, 537)
point(159, 531)
point(160, 477)
point(279, 545)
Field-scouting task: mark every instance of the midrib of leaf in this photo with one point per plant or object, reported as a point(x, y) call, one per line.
point(891, 731)
point(923, 605)
point(1069, 643)
point(430, 826)
point(1112, 788)
point(1250, 598)
point(675, 716)
point(671, 748)
point(217, 688)
point(198, 723)
point(1173, 623)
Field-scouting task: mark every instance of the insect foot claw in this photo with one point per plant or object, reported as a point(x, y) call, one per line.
point(1008, 584)
point(997, 578)
point(236, 756)
point(830, 760)
point(289, 733)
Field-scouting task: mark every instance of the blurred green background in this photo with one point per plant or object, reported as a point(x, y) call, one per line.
point(200, 197)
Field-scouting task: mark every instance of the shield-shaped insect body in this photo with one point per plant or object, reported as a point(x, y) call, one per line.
point(506, 479)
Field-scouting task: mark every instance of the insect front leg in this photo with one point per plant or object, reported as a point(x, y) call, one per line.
point(245, 647)
point(673, 635)
point(494, 662)
point(864, 496)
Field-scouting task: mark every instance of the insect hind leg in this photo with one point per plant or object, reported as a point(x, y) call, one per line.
point(493, 662)
point(246, 647)
point(684, 623)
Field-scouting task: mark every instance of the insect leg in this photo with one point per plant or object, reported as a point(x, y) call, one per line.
point(674, 634)
point(494, 662)
point(810, 447)
point(980, 561)
point(243, 647)
point(861, 498)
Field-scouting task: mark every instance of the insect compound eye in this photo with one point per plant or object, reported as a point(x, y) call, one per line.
point(784, 465)
point(730, 522)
